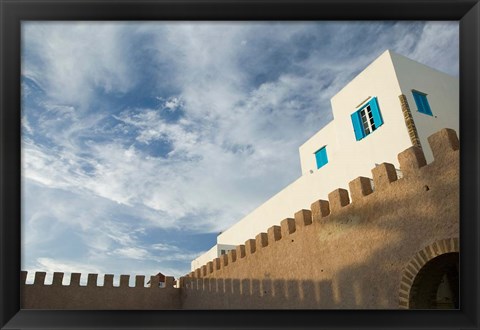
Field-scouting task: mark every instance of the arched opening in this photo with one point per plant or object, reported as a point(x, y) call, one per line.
point(436, 285)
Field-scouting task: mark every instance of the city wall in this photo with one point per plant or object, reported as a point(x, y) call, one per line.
point(360, 249)
point(90, 296)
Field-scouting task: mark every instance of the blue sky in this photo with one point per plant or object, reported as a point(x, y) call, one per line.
point(142, 141)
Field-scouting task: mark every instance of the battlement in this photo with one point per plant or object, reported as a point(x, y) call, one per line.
point(92, 281)
point(342, 202)
point(75, 295)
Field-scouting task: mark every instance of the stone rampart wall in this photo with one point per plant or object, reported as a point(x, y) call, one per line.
point(348, 252)
point(90, 296)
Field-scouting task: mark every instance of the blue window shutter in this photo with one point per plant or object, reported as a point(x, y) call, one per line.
point(324, 155)
point(418, 101)
point(422, 103)
point(377, 117)
point(321, 157)
point(357, 126)
point(426, 106)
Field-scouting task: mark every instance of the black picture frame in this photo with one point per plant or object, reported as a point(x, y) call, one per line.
point(13, 12)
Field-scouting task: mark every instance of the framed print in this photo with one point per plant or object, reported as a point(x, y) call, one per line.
point(239, 164)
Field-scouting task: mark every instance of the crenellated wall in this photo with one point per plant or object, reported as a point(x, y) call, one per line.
point(348, 252)
point(75, 296)
point(360, 249)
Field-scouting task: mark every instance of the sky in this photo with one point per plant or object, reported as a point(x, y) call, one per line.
point(142, 141)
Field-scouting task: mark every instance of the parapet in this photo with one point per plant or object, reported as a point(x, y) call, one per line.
point(108, 281)
point(445, 147)
point(87, 294)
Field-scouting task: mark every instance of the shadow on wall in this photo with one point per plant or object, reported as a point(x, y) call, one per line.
point(343, 292)
point(257, 294)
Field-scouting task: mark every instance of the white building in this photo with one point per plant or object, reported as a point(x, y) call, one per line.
point(370, 126)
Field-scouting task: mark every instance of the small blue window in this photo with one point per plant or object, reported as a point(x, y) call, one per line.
point(367, 119)
point(422, 102)
point(321, 157)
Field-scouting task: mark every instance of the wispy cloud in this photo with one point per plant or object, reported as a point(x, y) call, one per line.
point(131, 253)
point(133, 128)
point(81, 59)
point(439, 46)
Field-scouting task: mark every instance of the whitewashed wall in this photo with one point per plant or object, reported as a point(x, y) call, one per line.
point(442, 93)
point(211, 254)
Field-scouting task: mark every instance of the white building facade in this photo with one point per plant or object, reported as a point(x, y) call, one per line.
point(370, 126)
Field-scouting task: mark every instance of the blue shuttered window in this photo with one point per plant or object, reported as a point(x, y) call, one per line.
point(367, 119)
point(321, 157)
point(422, 103)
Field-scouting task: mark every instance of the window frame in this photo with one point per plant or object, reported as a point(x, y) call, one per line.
point(374, 120)
point(366, 116)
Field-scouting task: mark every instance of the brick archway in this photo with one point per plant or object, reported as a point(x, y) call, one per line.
point(420, 259)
